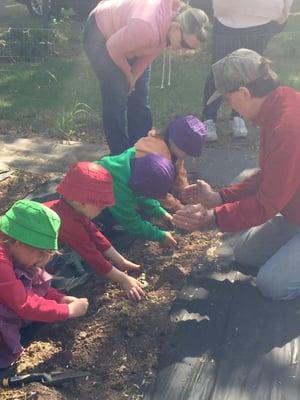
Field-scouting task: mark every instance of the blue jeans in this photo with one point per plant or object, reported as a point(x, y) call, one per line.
point(126, 118)
point(275, 248)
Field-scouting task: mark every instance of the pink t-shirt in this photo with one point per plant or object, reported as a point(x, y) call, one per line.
point(135, 29)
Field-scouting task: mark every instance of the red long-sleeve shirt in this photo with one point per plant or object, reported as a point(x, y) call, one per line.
point(82, 235)
point(25, 302)
point(275, 188)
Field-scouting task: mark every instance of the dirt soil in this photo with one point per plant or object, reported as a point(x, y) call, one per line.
point(118, 341)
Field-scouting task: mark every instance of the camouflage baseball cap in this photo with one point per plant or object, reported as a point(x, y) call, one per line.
point(238, 69)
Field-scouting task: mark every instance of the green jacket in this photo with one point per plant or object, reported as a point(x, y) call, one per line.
point(125, 210)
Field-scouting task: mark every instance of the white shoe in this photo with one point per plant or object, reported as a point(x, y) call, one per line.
point(211, 130)
point(239, 128)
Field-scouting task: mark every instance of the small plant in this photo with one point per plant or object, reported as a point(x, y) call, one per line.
point(142, 279)
point(74, 118)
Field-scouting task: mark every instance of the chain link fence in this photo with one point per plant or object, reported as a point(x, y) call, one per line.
point(27, 45)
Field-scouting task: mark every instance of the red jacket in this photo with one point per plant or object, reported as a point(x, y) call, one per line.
point(82, 235)
point(275, 188)
point(27, 304)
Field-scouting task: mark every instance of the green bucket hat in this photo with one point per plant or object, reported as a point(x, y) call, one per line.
point(31, 223)
point(237, 69)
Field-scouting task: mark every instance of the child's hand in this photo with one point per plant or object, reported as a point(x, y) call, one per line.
point(165, 221)
point(78, 307)
point(68, 299)
point(169, 241)
point(128, 265)
point(132, 287)
point(112, 254)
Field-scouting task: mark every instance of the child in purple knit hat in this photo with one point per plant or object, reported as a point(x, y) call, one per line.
point(139, 184)
point(184, 136)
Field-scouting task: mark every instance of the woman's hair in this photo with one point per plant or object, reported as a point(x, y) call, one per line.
point(194, 21)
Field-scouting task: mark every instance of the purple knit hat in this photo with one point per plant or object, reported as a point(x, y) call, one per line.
point(151, 176)
point(188, 134)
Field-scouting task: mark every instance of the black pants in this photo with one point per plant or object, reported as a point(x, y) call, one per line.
point(226, 40)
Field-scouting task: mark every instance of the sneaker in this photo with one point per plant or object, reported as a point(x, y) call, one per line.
point(239, 128)
point(211, 130)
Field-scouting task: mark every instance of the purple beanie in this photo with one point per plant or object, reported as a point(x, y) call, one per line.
point(151, 176)
point(188, 134)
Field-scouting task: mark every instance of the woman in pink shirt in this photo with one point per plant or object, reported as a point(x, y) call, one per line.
point(122, 38)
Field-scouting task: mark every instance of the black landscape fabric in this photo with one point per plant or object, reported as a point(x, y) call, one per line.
point(236, 345)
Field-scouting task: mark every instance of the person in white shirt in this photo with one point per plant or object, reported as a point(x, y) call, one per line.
point(240, 24)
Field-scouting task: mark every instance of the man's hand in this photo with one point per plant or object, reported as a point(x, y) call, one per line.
point(169, 241)
point(202, 193)
point(194, 217)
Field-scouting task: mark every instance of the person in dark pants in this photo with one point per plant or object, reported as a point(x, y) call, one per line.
point(121, 39)
point(240, 25)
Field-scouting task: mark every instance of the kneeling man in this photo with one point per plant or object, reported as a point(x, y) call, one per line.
point(266, 205)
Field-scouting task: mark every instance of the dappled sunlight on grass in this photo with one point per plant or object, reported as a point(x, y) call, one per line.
point(52, 85)
point(184, 95)
point(48, 92)
point(4, 104)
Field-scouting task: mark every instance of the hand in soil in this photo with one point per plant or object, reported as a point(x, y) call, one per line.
point(169, 241)
point(202, 193)
point(165, 222)
point(128, 265)
point(133, 288)
point(78, 307)
point(68, 299)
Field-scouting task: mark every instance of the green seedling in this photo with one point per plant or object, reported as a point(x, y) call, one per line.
point(143, 281)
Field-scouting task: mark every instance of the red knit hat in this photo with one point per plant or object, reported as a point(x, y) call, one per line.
point(89, 183)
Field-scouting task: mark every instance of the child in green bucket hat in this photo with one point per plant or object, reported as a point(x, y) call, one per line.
point(28, 240)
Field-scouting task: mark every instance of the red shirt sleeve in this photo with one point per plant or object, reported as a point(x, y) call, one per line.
point(25, 303)
point(243, 189)
point(101, 242)
point(279, 182)
point(83, 237)
point(54, 294)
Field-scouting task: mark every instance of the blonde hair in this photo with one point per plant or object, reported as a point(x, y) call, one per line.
point(194, 21)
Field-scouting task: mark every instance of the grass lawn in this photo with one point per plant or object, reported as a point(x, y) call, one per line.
point(50, 94)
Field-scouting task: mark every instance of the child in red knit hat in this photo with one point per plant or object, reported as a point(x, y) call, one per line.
point(86, 190)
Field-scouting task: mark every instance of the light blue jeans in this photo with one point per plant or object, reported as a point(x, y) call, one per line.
point(275, 248)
